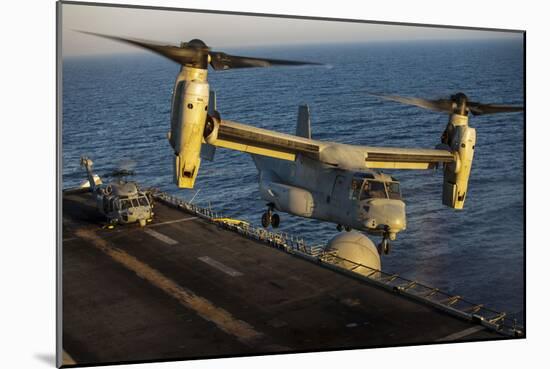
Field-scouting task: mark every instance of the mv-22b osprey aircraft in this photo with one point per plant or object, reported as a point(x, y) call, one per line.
point(298, 175)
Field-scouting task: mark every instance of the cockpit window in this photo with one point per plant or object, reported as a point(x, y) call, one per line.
point(393, 190)
point(355, 188)
point(373, 189)
point(125, 204)
point(143, 201)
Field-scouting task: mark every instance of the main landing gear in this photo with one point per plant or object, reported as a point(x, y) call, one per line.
point(270, 218)
point(384, 246)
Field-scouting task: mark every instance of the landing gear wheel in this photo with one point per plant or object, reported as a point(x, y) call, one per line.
point(266, 219)
point(387, 247)
point(347, 228)
point(339, 228)
point(275, 220)
point(384, 247)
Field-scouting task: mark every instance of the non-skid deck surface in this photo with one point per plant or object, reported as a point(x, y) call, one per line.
point(184, 288)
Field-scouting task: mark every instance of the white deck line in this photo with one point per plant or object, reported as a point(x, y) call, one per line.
point(461, 334)
point(160, 237)
point(216, 264)
point(172, 221)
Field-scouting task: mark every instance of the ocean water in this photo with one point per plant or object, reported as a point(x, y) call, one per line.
point(116, 108)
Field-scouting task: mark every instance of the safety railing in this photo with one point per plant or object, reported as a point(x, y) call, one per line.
point(453, 304)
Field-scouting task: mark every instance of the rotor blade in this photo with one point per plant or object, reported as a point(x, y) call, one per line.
point(441, 105)
point(221, 61)
point(178, 54)
point(481, 109)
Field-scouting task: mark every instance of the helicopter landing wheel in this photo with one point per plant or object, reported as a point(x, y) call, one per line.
point(384, 247)
point(339, 228)
point(387, 248)
point(266, 219)
point(275, 220)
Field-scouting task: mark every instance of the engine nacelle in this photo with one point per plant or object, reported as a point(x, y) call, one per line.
point(189, 113)
point(461, 139)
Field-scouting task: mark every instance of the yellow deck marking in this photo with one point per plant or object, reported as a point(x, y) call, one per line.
point(67, 359)
point(243, 331)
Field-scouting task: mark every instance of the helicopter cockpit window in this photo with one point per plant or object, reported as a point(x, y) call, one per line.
point(393, 190)
point(373, 189)
point(143, 201)
point(355, 188)
point(125, 204)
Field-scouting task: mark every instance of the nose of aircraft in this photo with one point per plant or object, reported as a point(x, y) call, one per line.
point(387, 212)
point(393, 215)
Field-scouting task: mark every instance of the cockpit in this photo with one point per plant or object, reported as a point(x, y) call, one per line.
point(127, 203)
point(365, 186)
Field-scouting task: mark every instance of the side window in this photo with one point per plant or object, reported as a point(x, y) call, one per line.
point(393, 190)
point(373, 189)
point(143, 201)
point(355, 188)
point(365, 192)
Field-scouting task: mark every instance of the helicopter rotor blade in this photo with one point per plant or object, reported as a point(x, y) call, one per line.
point(441, 105)
point(222, 61)
point(449, 105)
point(481, 109)
point(181, 55)
point(193, 52)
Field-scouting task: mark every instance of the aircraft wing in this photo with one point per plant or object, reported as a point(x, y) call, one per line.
point(357, 157)
point(246, 138)
point(250, 139)
point(403, 158)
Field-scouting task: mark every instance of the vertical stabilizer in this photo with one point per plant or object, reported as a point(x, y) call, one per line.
point(93, 179)
point(303, 127)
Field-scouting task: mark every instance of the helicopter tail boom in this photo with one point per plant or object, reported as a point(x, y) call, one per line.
point(87, 163)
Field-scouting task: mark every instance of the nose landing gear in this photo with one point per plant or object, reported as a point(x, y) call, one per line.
point(385, 246)
point(270, 218)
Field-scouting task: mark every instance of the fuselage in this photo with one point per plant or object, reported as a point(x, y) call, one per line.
point(364, 200)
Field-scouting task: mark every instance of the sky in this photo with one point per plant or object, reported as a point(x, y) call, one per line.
point(228, 30)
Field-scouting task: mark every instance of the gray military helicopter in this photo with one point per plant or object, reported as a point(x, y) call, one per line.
point(121, 201)
point(329, 181)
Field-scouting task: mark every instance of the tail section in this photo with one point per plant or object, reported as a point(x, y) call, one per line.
point(303, 127)
point(93, 179)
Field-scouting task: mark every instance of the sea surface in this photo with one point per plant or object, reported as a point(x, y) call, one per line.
point(117, 108)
